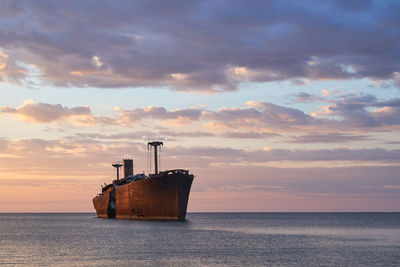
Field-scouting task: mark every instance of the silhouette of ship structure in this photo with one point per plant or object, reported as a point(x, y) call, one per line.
point(160, 196)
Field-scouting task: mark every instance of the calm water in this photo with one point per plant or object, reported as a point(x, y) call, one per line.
point(230, 239)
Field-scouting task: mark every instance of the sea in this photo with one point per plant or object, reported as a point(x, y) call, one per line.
point(204, 239)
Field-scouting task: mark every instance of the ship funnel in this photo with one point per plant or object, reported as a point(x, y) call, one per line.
point(128, 167)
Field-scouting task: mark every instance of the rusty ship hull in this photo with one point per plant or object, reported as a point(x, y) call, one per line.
point(162, 196)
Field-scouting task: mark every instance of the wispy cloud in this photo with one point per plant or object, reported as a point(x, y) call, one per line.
point(48, 113)
point(181, 116)
point(303, 97)
point(329, 138)
point(138, 135)
point(52, 154)
point(249, 135)
point(225, 154)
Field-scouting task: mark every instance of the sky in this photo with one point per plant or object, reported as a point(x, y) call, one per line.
point(274, 106)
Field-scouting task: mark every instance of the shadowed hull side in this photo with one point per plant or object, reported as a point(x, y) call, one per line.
point(159, 197)
point(100, 203)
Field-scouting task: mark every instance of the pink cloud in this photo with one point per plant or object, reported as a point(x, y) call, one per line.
point(350, 113)
point(48, 113)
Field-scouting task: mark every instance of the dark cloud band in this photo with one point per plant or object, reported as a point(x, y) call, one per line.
point(204, 46)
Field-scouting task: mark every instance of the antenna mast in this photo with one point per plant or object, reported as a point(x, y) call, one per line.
point(155, 144)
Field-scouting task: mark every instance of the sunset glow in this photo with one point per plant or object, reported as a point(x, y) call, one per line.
point(271, 111)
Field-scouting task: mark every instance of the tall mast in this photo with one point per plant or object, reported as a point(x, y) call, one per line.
point(117, 166)
point(155, 144)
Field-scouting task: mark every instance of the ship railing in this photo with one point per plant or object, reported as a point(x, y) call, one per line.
point(175, 171)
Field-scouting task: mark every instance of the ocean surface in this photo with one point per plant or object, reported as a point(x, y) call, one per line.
point(205, 239)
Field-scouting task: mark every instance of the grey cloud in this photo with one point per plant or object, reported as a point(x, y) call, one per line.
point(185, 134)
point(279, 114)
point(349, 113)
point(160, 113)
point(47, 113)
point(59, 152)
point(95, 137)
point(144, 43)
point(71, 182)
point(329, 138)
point(63, 163)
point(94, 167)
point(393, 143)
point(388, 103)
point(354, 110)
point(263, 115)
point(230, 155)
point(170, 135)
point(338, 180)
point(303, 97)
point(250, 135)
point(137, 135)
point(65, 157)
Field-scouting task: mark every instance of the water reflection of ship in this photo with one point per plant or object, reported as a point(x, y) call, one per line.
point(160, 196)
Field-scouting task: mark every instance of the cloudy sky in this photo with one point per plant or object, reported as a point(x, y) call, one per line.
point(273, 105)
